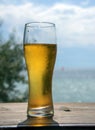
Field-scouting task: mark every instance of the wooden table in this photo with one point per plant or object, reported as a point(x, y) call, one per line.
point(66, 114)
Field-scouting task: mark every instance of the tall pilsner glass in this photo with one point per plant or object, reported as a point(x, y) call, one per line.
point(40, 54)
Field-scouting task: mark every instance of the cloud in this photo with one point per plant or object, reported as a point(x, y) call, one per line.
point(85, 2)
point(75, 25)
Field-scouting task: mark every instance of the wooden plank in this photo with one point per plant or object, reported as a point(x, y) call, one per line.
point(66, 114)
point(12, 113)
point(75, 114)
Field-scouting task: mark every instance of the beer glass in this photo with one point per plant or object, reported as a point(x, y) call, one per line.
point(40, 53)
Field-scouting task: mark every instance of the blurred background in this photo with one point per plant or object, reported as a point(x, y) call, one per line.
point(74, 73)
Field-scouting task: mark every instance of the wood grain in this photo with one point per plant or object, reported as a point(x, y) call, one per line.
point(66, 114)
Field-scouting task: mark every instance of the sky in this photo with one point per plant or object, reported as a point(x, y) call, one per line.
point(75, 26)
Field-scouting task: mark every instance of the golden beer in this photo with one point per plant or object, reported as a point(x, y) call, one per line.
point(40, 49)
point(40, 60)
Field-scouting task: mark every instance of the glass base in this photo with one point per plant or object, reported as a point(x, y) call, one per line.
point(38, 122)
point(46, 111)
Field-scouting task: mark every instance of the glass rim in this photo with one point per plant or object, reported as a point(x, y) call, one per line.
point(40, 24)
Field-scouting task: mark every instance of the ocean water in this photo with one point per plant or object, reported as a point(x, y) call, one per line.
point(74, 85)
point(71, 85)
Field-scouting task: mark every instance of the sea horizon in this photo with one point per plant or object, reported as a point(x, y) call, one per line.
point(71, 85)
point(74, 85)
